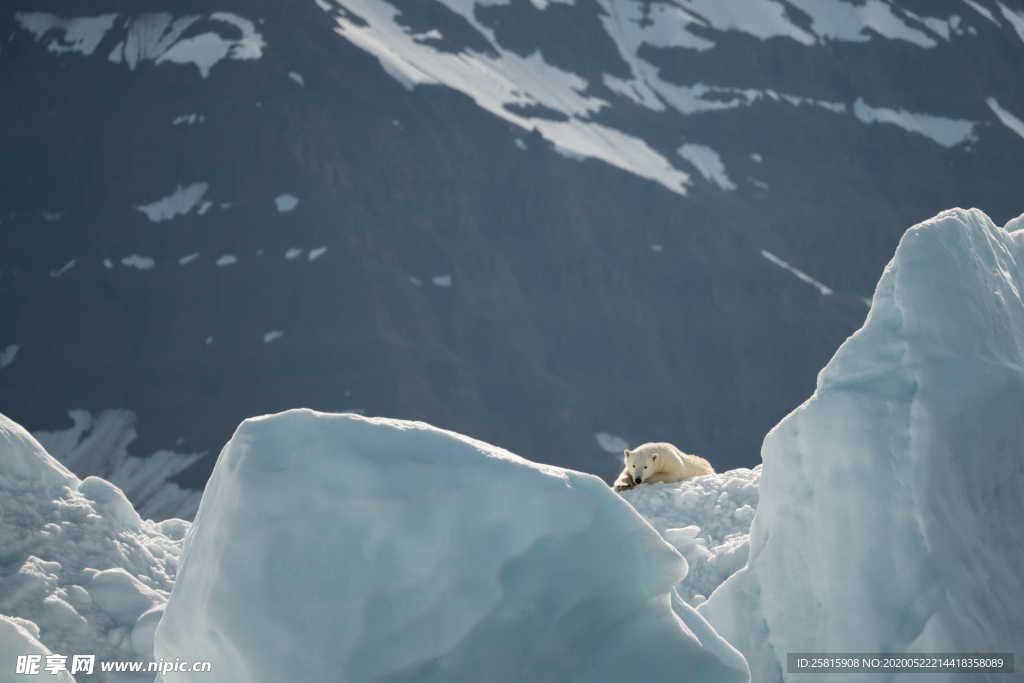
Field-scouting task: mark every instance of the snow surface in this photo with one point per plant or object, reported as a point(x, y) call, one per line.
point(708, 163)
point(890, 503)
point(63, 269)
point(508, 84)
point(285, 202)
point(80, 35)
point(156, 37)
point(138, 262)
point(1005, 117)
point(824, 290)
point(188, 119)
point(78, 566)
point(707, 519)
point(98, 445)
point(325, 542)
point(20, 637)
point(1015, 18)
point(945, 131)
point(8, 354)
point(179, 203)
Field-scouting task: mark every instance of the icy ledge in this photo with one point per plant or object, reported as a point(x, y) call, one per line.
point(335, 547)
point(891, 502)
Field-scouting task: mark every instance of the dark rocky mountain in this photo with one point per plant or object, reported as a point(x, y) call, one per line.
point(554, 225)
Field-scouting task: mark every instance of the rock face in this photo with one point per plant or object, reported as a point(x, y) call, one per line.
point(644, 220)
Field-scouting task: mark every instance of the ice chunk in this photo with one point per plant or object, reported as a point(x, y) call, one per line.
point(227, 260)
point(76, 560)
point(122, 596)
point(324, 542)
point(890, 501)
point(707, 519)
point(443, 281)
point(20, 638)
point(316, 253)
point(272, 336)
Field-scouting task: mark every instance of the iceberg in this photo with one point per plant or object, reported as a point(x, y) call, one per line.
point(338, 547)
point(79, 568)
point(891, 501)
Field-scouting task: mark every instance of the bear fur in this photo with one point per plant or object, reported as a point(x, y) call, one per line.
point(652, 463)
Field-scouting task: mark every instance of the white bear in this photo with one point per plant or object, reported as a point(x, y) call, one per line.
point(659, 462)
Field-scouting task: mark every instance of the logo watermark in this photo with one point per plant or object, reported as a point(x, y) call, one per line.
point(86, 664)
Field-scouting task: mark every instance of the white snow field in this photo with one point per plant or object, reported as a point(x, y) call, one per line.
point(78, 567)
point(707, 519)
point(891, 506)
point(337, 547)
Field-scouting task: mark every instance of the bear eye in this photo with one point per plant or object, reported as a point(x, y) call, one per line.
point(645, 467)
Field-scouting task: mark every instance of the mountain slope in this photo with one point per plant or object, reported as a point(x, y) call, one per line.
point(555, 226)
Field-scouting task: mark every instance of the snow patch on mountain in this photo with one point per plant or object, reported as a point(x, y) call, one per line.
point(81, 35)
point(945, 131)
point(8, 354)
point(285, 202)
point(708, 163)
point(886, 497)
point(982, 10)
point(504, 83)
point(97, 445)
point(188, 119)
point(138, 262)
point(181, 202)
point(1005, 117)
point(1015, 18)
point(200, 40)
point(824, 290)
point(63, 269)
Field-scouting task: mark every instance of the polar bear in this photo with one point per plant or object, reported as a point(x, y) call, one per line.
point(659, 462)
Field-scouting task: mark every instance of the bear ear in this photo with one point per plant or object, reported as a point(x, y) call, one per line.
point(626, 453)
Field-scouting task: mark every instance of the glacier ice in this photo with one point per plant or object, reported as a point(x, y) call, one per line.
point(78, 566)
point(707, 519)
point(891, 501)
point(332, 547)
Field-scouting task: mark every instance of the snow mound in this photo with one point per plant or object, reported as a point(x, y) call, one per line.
point(78, 566)
point(336, 547)
point(707, 519)
point(891, 500)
